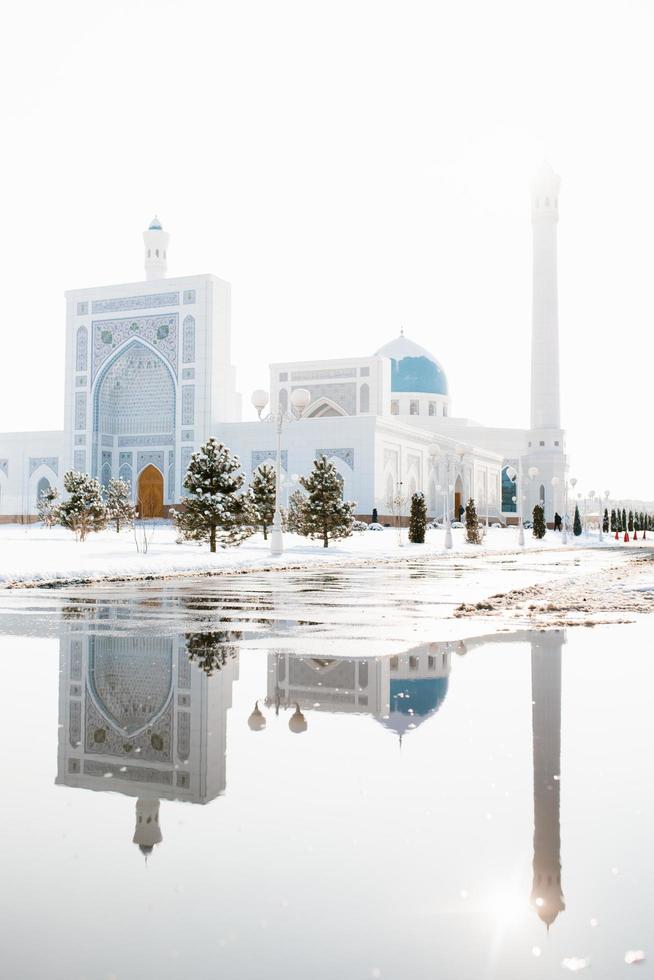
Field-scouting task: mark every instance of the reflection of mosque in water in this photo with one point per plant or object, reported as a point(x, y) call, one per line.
point(138, 717)
point(147, 717)
point(400, 691)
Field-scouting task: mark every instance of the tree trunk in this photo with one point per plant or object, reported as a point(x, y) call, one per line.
point(212, 539)
point(325, 539)
point(265, 532)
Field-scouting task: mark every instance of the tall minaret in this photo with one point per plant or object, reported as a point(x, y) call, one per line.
point(545, 411)
point(546, 893)
point(156, 240)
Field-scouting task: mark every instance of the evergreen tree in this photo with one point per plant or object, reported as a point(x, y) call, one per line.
point(262, 488)
point(472, 523)
point(605, 521)
point(375, 516)
point(211, 651)
point(630, 522)
point(84, 510)
point(418, 519)
point(614, 521)
point(624, 520)
point(539, 521)
point(641, 522)
point(294, 517)
point(324, 513)
point(120, 510)
point(576, 526)
point(47, 506)
point(215, 509)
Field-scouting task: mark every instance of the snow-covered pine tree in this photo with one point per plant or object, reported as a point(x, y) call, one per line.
point(605, 521)
point(614, 521)
point(262, 489)
point(472, 523)
point(630, 521)
point(47, 506)
point(418, 519)
point(84, 510)
point(539, 521)
point(324, 513)
point(215, 508)
point(576, 525)
point(624, 520)
point(375, 516)
point(294, 515)
point(120, 510)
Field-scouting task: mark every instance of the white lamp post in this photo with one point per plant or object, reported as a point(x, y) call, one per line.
point(300, 399)
point(516, 476)
point(607, 494)
point(591, 494)
point(435, 454)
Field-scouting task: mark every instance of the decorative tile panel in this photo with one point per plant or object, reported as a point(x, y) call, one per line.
point(137, 774)
point(260, 456)
point(150, 459)
point(107, 440)
point(188, 404)
point(122, 303)
point(82, 349)
point(347, 455)
point(183, 670)
point(80, 461)
point(76, 660)
point(187, 435)
point(124, 459)
point(159, 331)
point(185, 455)
point(188, 374)
point(183, 734)
point(189, 296)
point(320, 375)
point(171, 474)
point(75, 723)
point(51, 461)
point(80, 410)
point(155, 440)
point(80, 381)
point(80, 440)
point(82, 309)
point(344, 394)
point(188, 340)
point(4, 466)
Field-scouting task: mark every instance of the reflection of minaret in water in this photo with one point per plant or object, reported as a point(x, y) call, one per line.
point(546, 894)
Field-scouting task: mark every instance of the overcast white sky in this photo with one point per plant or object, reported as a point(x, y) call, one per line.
point(349, 168)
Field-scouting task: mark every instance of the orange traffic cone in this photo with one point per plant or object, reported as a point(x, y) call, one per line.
point(626, 536)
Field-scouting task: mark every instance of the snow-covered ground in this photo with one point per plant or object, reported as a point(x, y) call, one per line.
point(34, 555)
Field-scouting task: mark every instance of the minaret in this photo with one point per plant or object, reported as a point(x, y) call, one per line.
point(546, 893)
point(147, 831)
point(545, 410)
point(156, 240)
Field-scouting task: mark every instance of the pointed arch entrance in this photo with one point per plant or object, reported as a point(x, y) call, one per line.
point(151, 493)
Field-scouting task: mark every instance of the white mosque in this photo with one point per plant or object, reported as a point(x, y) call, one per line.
point(149, 378)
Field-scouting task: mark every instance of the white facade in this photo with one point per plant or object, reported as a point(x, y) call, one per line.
point(149, 379)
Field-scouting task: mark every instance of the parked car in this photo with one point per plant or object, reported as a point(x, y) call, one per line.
point(375, 526)
point(457, 524)
point(359, 526)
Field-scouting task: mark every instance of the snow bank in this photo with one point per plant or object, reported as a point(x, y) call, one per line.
point(35, 555)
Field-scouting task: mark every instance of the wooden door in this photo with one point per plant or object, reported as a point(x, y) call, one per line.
point(151, 493)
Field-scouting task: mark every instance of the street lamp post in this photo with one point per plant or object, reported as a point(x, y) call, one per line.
point(435, 454)
point(607, 494)
point(300, 399)
point(591, 494)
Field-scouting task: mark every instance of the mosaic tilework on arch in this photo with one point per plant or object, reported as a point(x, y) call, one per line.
point(160, 331)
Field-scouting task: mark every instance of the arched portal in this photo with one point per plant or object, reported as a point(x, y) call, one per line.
point(151, 493)
point(42, 487)
point(458, 498)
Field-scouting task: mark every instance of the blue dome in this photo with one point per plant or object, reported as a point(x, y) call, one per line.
point(155, 224)
point(412, 701)
point(413, 368)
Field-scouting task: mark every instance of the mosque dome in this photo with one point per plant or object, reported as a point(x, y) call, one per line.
point(413, 701)
point(413, 368)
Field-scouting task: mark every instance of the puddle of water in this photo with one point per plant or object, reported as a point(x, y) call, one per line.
point(352, 800)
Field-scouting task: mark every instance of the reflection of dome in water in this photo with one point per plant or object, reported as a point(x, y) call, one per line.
point(413, 368)
point(131, 680)
point(413, 701)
